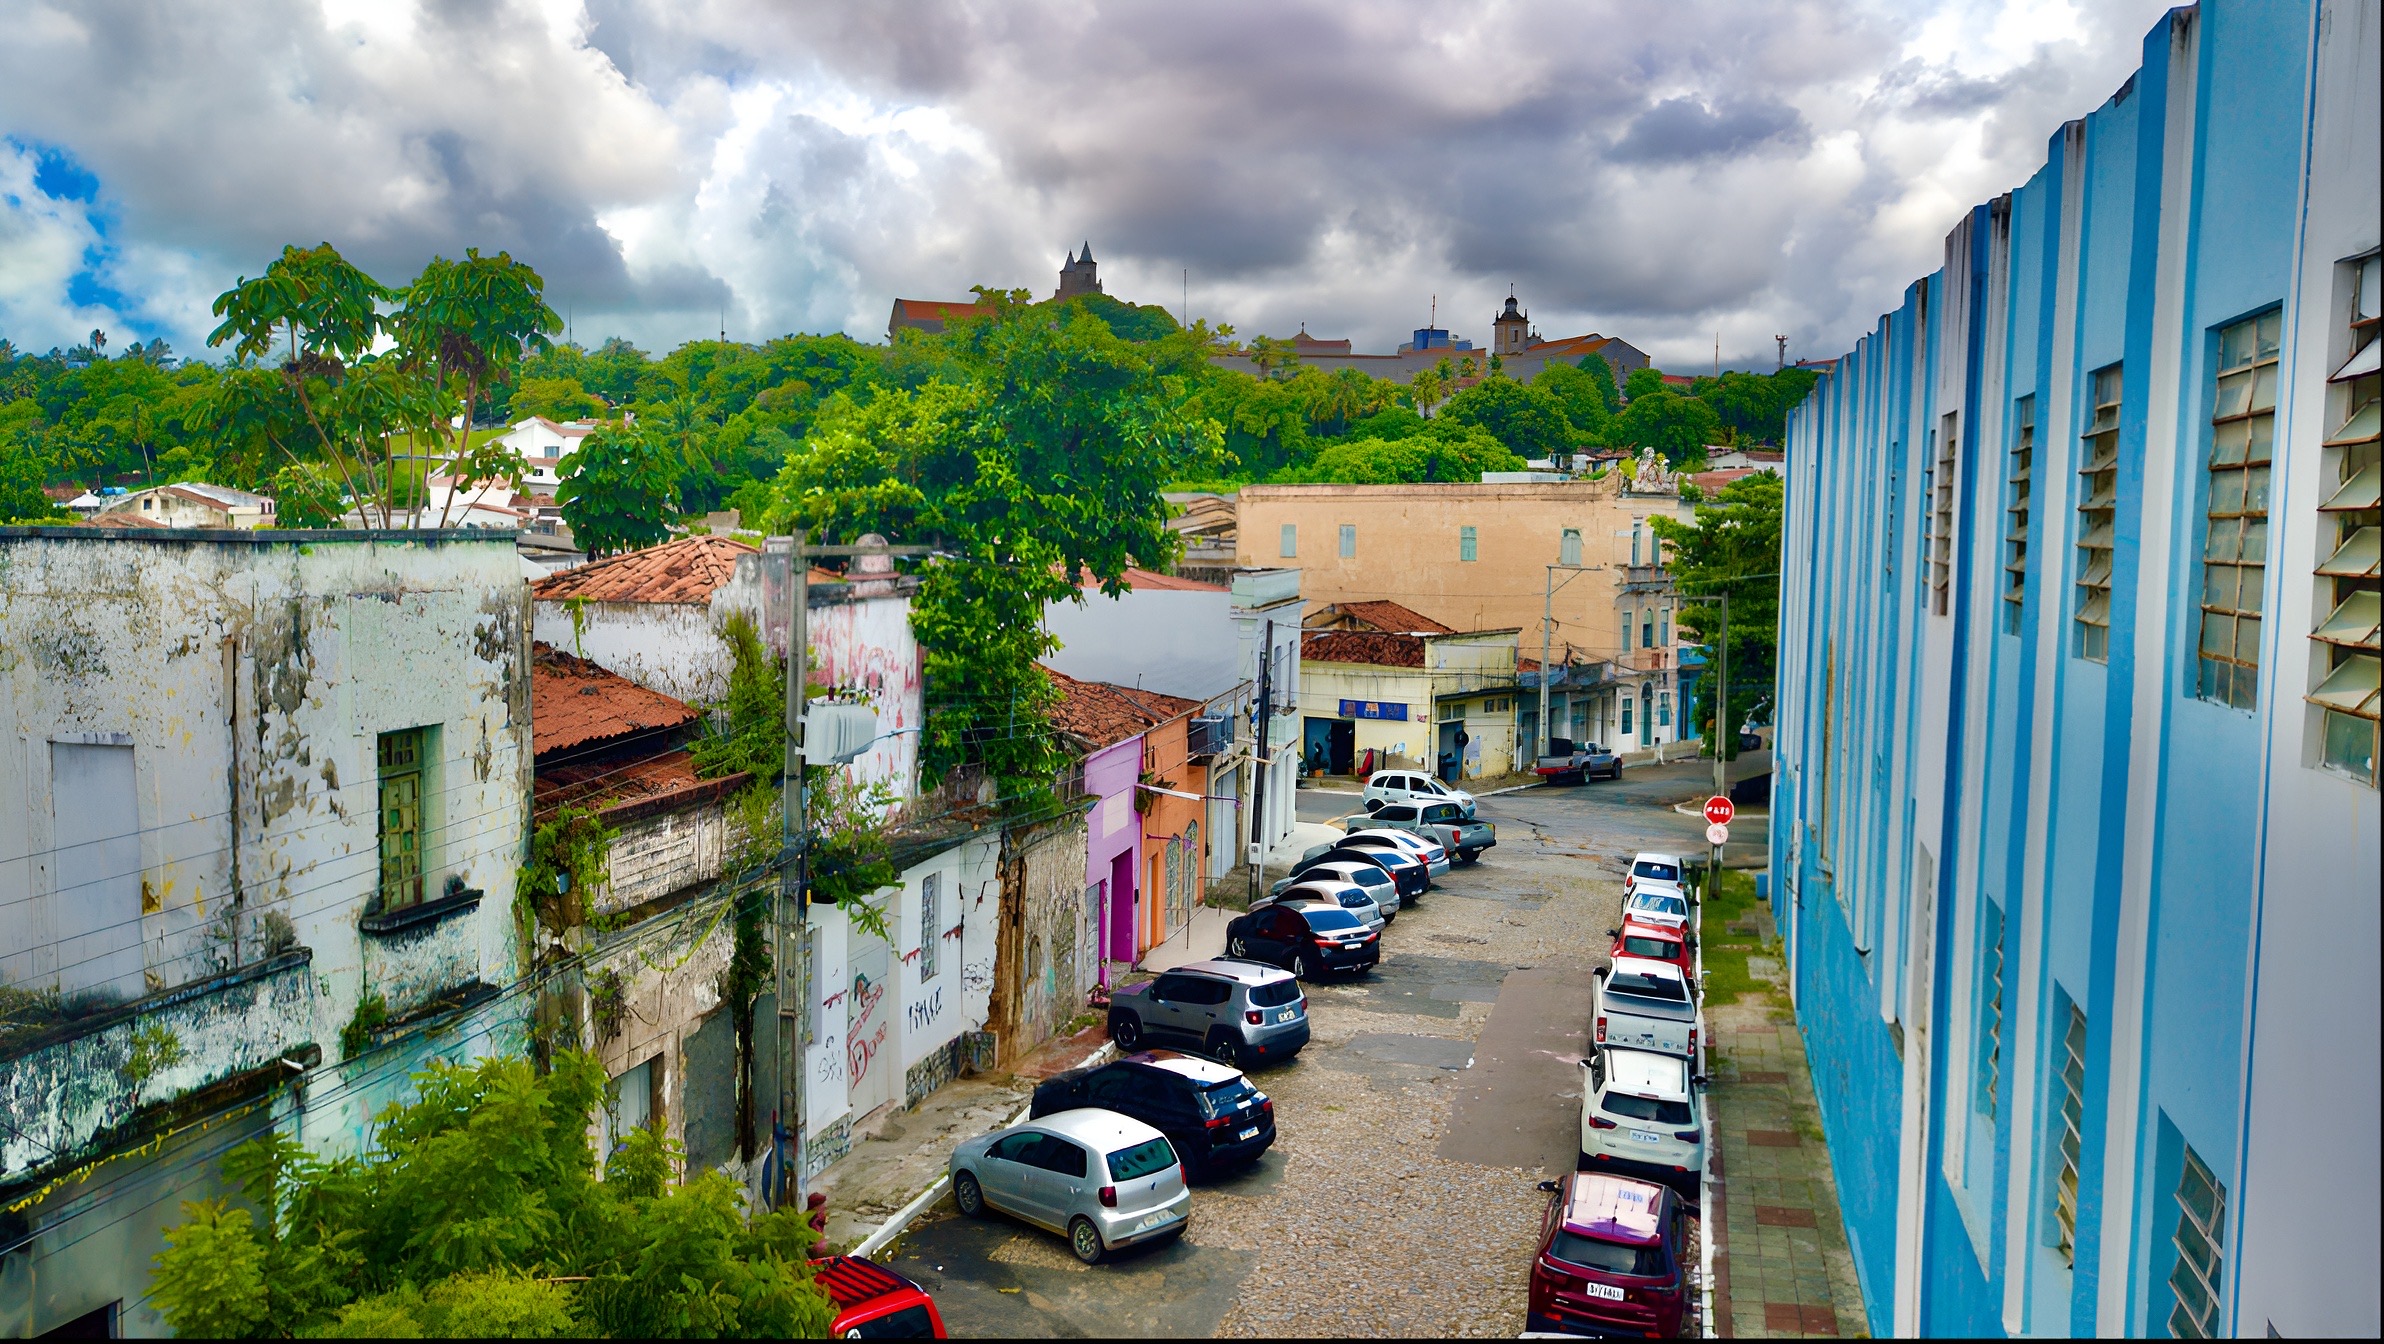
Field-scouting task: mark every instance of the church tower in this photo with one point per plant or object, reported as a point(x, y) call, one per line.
point(1511, 330)
point(1080, 276)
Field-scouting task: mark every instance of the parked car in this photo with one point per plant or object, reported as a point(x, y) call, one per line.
point(1463, 837)
point(1364, 834)
point(1646, 1005)
point(874, 1302)
point(1613, 1259)
point(1640, 1115)
point(1405, 786)
point(1652, 904)
point(1241, 1012)
point(1664, 868)
point(1366, 870)
point(1656, 942)
point(1570, 762)
point(1332, 892)
point(1407, 870)
point(1210, 1112)
point(1306, 940)
point(1100, 1179)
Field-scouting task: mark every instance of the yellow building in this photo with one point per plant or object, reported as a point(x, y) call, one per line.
point(1370, 700)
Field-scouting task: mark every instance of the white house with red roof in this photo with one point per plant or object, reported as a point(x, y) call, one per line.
point(542, 444)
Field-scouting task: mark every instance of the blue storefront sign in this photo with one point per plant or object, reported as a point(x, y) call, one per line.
point(1373, 709)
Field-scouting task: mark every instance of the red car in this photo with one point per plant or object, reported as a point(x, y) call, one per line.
point(1655, 942)
point(874, 1302)
point(1613, 1259)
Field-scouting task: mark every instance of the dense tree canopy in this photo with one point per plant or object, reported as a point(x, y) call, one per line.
point(1733, 547)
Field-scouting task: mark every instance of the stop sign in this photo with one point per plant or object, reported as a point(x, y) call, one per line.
point(1718, 810)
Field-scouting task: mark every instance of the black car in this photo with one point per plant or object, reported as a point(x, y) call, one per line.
point(1208, 1111)
point(1306, 940)
point(1409, 876)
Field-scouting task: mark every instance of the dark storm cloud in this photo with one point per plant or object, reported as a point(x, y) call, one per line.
point(1665, 167)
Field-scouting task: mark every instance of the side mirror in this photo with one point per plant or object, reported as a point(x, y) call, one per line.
point(1549, 1186)
point(1373, 805)
point(1601, 972)
point(1699, 1080)
point(1614, 933)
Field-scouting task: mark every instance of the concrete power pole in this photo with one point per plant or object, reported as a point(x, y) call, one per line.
point(1721, 725)
point(1547, 632)
point(1258, 764)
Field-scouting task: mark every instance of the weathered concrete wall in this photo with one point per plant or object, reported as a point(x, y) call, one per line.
point(937, 990)
point(671, 647)
point(249, 673)
point(660, 855)
point(670, 970)
point(1046, 957)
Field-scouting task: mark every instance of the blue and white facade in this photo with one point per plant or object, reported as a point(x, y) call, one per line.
point(2076, 815)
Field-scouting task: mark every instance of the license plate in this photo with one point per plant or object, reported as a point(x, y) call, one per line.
point(1250, 1133)
point(1642, 1136)
point(1287, 1015)
point(1604, 1290)
point(1153, 1220)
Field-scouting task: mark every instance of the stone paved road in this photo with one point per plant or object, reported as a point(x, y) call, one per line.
point(1400, 1198)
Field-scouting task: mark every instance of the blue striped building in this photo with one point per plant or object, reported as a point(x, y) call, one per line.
point(2076, 818)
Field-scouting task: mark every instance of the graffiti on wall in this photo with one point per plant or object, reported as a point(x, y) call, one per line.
point(867, 1032)
point(924, 1013)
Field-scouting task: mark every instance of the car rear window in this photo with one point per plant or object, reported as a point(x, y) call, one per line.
point(1367, 875)
point(1220, 1098)
point(1658, 948)
point(1275, 995)
point(1143, 1159)
point(1645, 1108)
point(1397, 814)
point(1441, 812)
point(1612, 1257)
point(1662, 872)
point(911, 1322)
point(1326, 921)
point(1664, 901)
point(1355, 900)
point(1647, 985)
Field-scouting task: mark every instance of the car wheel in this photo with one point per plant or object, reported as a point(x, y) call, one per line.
point(1221, 1050)
point(1236, 947)
point(1126, 1030)
point(968, 1195)
point(1300, 967)
point(1085, 1240)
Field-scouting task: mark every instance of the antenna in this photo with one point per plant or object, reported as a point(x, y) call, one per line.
point(1187, 309)
point(1783, 350)
point(1434, 320)
point(724, 324)
point(1717, 354)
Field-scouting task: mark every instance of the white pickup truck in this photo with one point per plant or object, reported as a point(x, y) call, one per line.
point(1646, 1005)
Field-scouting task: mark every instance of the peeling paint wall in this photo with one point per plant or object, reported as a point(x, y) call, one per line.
point(671, 647)
point(1047, 926)
point(670, 970)
point(657, 856)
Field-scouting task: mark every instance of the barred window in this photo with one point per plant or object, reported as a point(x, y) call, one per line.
point(2350, 524)
point(1941, 554)
point(2015, 513)
point(2235, 541)
point(2201, 1232)
point(2098, 512)
point(931, 924)
point(2073, 1116)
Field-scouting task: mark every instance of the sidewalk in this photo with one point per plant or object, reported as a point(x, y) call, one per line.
point(1202, 938)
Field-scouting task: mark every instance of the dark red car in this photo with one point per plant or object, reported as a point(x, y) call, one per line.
point(874, 1302)
point(1655, 942)
point(1613, 1259)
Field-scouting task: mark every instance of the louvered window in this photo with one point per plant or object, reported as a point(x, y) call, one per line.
point(2235, 536)
point(2098, 513)
point(2073, 1119)
point(2201, 1233)
point(1990, 1009)
point(1941, 532)
point(400, 760)
point(2350, 523)
point(2015, 513)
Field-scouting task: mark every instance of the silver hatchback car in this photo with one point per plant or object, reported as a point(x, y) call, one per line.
point(1100, 1179)
point(1332, 891)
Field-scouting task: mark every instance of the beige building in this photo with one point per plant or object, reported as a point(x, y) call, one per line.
point(1375, 701)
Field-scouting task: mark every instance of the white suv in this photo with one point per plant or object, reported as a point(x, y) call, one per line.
point(1407, 786)
point(1641, 1115)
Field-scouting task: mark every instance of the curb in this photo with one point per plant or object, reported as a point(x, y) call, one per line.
point(895, 1226)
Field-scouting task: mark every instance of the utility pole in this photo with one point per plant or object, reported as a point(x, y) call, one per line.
point(1783, 342)
point(1258, 763)
point(1721, 717)
point(1547, 630)
point(792, 964)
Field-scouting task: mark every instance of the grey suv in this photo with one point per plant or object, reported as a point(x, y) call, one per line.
point(1464, 838)
point(1244, 1013)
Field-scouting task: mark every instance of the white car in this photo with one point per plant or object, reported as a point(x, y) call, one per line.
point(1641, 1115)
point(1377, 881)
point(1434, 854)
point(1652, 904)
point(1407, 786)
point(1645, 1005)
point(1335, 892)
point(1664, 868)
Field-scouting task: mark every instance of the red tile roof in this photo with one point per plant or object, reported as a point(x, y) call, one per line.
point(622, 793)
point(939, 310)
point(1392, 618)
point(574, 703)
point(1359, 646)
point(687, 570)
point(1102, 715)
point(120, 520)
point(1147, 580)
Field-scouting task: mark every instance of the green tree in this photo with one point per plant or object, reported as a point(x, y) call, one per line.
point(1530, 422)
point(1043, 463)
point(558, 399)
point(615, 490)
point(1643, 382)
point(1602, 373)
point(1676, 426)
point(1453, 453)
point(1734, 547)
point(1578, 395)
point(25, 466)
point(477, 1211)
point(306, 494)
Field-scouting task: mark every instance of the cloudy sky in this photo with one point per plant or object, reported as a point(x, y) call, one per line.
point(1662, 170)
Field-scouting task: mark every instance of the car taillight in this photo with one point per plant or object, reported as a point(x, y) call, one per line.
point(1109, 1196)
point(1254, 1017)
point(1601, 1028)
point(1220, 1122)
point(1266, 1107)
point(1320, 940)
point(1692, 1042)
point(1600, 1122)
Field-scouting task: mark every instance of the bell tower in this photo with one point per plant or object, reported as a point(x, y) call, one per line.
point(1510, 330)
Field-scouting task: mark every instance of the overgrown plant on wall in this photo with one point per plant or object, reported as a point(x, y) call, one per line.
point(478, 1211)
point(1734, 547)
point(568, 854)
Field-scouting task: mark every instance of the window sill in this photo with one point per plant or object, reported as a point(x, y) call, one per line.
point(421, 915)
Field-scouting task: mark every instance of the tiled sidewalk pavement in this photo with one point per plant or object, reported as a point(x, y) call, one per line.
point(1781, 1267)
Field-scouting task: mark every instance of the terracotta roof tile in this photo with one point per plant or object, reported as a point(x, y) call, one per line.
point(1359, 646)
point(1103, 715)
point(654, 784)
point(687, 570)
point(573, 703)
point(1145, 580)
point(1392, 618)
point(120, 520)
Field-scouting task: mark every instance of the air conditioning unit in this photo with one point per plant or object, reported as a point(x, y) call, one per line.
point(1209, 735)
point(835, 734)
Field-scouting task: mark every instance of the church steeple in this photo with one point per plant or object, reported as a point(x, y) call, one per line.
point(1079, 276)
